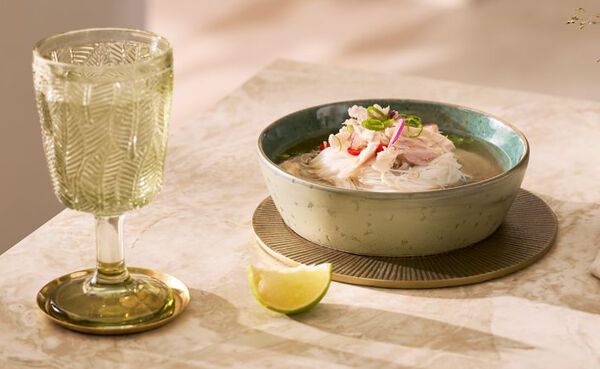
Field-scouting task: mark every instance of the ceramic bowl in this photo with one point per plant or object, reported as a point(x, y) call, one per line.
point(393, 223)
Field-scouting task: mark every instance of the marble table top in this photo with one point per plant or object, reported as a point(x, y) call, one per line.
point(546, 316)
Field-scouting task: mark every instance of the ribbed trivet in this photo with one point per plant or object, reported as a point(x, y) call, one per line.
point(526, 235)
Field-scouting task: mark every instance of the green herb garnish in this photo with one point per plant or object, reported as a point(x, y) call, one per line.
point(458, 140)
point(283, 156)
point(376, 124)
point(378, 120)
point(413, 121)
point(375, 113)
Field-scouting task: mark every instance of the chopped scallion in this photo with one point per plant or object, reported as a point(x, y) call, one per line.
point(376, 113)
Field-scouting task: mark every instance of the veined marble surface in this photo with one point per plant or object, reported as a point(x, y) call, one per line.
point(546, 316)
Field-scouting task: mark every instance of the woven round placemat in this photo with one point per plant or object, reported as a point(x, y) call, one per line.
point(526, 235)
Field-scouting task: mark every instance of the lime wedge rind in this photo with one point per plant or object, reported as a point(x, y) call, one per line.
point(291, 290)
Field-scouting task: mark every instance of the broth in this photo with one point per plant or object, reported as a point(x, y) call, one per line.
point(480, 159)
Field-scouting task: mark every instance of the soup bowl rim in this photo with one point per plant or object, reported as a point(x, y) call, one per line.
point(522, 162)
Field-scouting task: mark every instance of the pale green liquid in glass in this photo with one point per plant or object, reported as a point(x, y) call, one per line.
point(107, 143)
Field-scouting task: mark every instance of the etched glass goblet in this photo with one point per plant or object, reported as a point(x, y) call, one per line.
point(104, 98)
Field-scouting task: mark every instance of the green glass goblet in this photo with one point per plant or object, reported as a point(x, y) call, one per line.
point(104, 98)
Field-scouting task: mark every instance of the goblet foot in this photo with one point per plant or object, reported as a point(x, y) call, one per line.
point(65, 301)
point(139, 299)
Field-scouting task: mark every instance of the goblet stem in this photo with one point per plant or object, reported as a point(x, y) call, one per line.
point(110, 258)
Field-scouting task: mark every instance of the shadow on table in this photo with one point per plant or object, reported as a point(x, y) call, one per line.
point(403, 329)
point(561, 278)
point(359, 326)
point(239, 343)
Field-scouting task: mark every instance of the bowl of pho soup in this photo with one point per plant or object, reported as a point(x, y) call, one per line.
point(392, 177)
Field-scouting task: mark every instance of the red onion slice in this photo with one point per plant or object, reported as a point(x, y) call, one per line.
point(398, 132)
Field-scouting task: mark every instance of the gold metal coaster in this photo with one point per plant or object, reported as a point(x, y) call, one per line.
point(180, 292)
point(527, 233)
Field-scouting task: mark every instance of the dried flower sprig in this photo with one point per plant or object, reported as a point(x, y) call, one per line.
point(582, 21)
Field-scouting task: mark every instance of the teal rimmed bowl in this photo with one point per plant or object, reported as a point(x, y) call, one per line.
point(393, 223)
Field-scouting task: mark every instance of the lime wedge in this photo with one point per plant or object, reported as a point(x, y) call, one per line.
point(290, 290)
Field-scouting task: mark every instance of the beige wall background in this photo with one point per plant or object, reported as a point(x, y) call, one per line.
point(514, 44)
point(26, 198)
point(518, 44)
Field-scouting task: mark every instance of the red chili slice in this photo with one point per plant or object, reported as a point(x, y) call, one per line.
point(324, 145)
point(380, 148)
point(354, 150)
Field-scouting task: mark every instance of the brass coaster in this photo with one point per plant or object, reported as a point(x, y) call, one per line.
point(180, 292)
point(527, 233)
